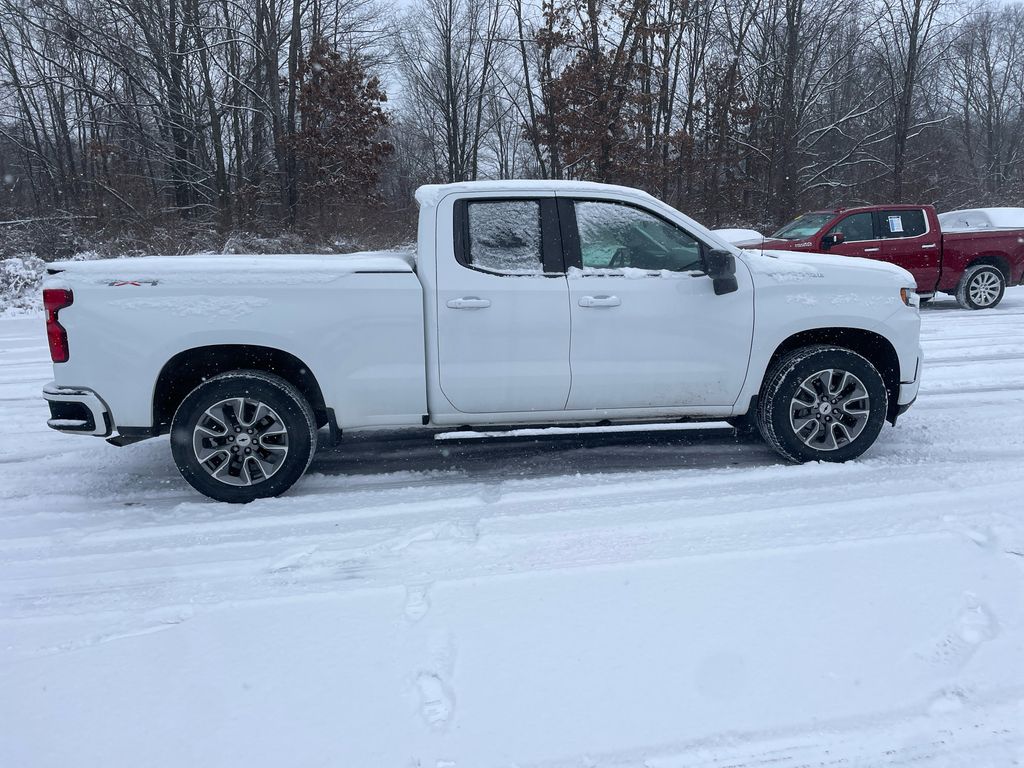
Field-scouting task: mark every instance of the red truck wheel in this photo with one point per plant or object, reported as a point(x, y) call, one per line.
point(981, 287)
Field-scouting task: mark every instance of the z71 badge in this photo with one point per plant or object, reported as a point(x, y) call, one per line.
point(136, 283)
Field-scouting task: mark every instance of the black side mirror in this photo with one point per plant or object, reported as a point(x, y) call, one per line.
point(836, 238)
point(720, 266)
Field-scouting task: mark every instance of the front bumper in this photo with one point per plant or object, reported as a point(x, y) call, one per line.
point(908, 389)
point(77, 411)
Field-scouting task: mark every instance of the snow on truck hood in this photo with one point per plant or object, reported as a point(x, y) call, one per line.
point(332, 265)
point(757, 243)
point(794, 266)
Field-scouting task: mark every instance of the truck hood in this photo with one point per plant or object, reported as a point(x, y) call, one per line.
point(840, 271)
point(297, 265)
point(758, 243)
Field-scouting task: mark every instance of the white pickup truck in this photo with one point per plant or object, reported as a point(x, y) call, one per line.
point(526, 302)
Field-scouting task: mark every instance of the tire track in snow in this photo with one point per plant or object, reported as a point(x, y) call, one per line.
point(989, 735)
point(464, 548)
point(72, 556)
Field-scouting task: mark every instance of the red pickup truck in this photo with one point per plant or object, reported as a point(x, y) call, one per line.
point(974, 266)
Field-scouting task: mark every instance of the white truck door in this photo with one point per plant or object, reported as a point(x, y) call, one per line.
point(648, 330)
point(502, 305)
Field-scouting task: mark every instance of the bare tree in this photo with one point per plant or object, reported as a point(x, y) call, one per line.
point(986, 75)
point(212, 113)
point(906, 50)
point(446, 53)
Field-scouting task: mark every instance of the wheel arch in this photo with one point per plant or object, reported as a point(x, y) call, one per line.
point(189, 368)
point(869, 344)
point(997, 260)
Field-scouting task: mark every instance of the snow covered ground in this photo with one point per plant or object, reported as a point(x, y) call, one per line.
point(618, 599)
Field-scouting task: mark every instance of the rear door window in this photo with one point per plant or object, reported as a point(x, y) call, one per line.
point(899, 224)
point(505, 236)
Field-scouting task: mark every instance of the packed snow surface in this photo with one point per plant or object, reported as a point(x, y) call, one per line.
point(610, 598)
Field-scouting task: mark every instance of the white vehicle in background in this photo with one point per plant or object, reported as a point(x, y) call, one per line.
point(529, 302)
point(736, 236)
point(982, 218)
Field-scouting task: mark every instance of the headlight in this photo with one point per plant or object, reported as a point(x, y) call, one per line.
point(910, 297)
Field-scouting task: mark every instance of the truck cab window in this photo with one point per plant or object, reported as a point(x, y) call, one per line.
point(615, 236)
point(505, 236)
point(903, 223)
point(855, 227)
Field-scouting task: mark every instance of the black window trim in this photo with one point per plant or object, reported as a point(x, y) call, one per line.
point(571, 233)
point(881, 230)
point(845, 215)
point(551, 239)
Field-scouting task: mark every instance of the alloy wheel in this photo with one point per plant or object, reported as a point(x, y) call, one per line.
point(240, 441)
point(984, 288)
point(830, 409)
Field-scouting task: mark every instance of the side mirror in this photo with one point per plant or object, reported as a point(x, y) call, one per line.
point(836, 238)
point(720, 266)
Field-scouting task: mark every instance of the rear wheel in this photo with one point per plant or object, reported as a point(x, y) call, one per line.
point(822, 403)
point(242, 436)
point(981, 287)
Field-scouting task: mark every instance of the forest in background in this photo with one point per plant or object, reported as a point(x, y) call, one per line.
point(136, 126)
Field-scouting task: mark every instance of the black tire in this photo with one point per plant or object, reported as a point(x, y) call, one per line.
point(291, 431)
point(782, 406)
point(981, 287)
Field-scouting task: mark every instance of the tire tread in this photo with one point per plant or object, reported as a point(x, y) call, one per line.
point(772, 383)
point(285, 388)
point(961, 289)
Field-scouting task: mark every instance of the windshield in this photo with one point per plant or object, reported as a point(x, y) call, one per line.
point(804, 226)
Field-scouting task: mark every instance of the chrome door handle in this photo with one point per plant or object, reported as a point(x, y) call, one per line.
point(469, 302)
point(872, 250)
point(600, 301)
point(932, 245)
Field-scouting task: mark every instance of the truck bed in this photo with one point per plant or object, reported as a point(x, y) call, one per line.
point(354, 321)
point(960, 248)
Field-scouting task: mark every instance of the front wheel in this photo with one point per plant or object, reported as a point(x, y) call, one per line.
point(981, 287)
point(822, 403)
point(242, 436)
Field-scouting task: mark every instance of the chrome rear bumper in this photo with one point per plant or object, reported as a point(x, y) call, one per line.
point(77, 411)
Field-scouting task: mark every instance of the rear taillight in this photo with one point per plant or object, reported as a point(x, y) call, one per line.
point(54, 300)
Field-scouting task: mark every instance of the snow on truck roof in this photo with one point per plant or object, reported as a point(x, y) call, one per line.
point(431, 194)
point(871, 207)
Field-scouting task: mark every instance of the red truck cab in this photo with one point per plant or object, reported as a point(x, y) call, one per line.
point(975, 266)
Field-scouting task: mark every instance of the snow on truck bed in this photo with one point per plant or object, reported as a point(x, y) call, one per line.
point(202, 265)
point(982, 219)
point(679, 598)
